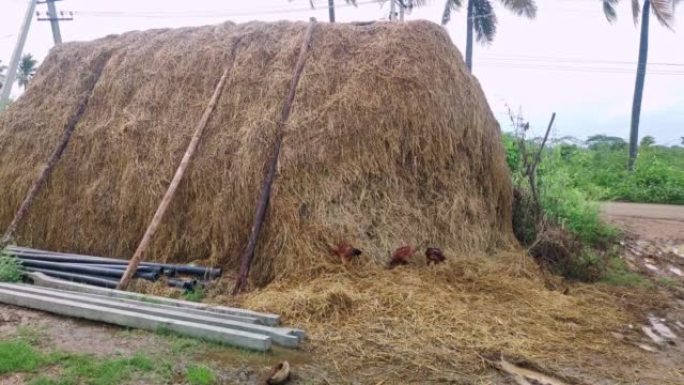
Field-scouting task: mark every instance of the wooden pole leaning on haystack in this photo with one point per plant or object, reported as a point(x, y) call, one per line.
point(272, 165)
point(171, 191)
point(56, 154)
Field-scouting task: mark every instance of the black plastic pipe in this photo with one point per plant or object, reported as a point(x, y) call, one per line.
point(87, 279)
point(86, 270)
point(181, 283)
point(34, 254)
point(142, 269)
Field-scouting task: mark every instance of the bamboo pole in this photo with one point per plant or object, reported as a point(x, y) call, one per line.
point(272, 165)
point(180, 172)
point(55, 156)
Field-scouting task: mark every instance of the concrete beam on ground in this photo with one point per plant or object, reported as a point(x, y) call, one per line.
point(45, 281)
point(153, 304)
point(119, 317)
point(280, 336)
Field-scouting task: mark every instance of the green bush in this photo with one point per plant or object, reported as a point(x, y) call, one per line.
point(567, 204)
point(10, 269)
point(599, 171)
point(200, 375)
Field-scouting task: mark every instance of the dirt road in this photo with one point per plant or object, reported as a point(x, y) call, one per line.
point(652, 222)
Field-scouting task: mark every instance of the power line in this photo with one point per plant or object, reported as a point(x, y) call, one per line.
point(571, 60)
point(210, 14)
point(551, 67)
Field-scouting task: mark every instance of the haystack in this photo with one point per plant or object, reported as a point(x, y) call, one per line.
point(390, 142)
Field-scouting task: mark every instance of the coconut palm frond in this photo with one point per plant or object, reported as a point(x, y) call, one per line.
point(636, 10)
point(484, 21)
point(527, 8)
point(408, 5)
point(27, 68)
point(449, 6)
point(352, 2)
point(609, 10)
point(664, 11)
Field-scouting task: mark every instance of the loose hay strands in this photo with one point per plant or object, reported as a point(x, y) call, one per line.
point(178, 176)
point(430, 324)
point(56, 154)
point(265, 193)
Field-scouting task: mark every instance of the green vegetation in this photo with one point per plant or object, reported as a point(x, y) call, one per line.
point(19, 356)
point(200, 375)
point(598, 170)
point(617, 274)
point(22, 354)
point(10, 269)
point(556, 209)
point(195, 295)
point(91, 371)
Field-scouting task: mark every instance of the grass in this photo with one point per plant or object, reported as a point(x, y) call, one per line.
point(196, 295)
point(88, 370)
point(617, 274)
point(19, 356)
point(200, 375)
point(10, 269)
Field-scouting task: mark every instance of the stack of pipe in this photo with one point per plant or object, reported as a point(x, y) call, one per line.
point(104, 271)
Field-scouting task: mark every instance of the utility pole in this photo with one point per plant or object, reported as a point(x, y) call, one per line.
point(401, 10)
point(392, 10)
point(16, 54)
point(54, 18)
point(331, 10)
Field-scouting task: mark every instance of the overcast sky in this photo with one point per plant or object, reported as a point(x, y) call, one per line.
point(569, 59)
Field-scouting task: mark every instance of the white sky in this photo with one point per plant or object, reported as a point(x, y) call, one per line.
point(569, 59)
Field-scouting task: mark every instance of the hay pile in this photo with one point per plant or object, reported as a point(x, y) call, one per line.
point(390, 142)
point(435, 324)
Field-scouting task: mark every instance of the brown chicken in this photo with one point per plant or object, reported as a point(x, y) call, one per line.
point(345, 252)
point(434, 255)
point(401, 256)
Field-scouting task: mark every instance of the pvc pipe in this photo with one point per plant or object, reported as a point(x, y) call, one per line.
point(85, 270)
point(95, 281)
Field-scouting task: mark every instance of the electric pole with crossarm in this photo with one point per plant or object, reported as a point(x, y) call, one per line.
point(54, 18)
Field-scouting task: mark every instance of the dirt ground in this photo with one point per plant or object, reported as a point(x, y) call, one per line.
point(231, 366)
point(654, 237)
point(651, 222)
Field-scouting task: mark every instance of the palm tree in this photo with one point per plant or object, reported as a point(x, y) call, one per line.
point(27, 68)
point(406, 6)
point(481, 19)
point(664, 12)
point(331, 7)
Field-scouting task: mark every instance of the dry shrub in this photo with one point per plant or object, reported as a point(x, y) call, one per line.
point(563, 253)
point(391, 141)
point(526, 216)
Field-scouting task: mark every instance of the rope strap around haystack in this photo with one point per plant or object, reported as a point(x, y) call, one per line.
point(56, 154)
point(272, 165)
point(170, 192)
